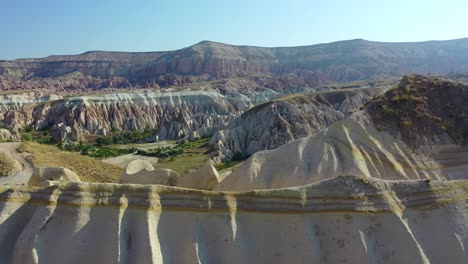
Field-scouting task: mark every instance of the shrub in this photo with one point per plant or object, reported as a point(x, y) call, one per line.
point(26, 137)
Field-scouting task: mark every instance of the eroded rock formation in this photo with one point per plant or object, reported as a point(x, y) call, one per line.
point(406, 133)
point(275, 123)
point(142, 172)
point(44, 175)
point(174, 114)
point(344, 219)
point(206, 61)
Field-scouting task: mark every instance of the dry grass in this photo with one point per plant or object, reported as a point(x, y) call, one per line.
point(87, 168)
point(7, 165)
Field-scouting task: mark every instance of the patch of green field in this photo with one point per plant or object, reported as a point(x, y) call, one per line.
point(192, 156)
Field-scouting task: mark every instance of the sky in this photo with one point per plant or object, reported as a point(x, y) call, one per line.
point(38, 28)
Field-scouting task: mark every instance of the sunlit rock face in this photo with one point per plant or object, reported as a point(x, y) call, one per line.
point(174, 114)
point(341, 61)
point(275, 123)
point(416, 130)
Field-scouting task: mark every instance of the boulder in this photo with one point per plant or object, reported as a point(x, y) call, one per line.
point(42, 176)
point(142, 172)
point(205, 178)
point(60, 133)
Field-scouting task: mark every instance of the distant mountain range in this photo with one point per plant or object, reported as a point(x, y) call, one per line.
point(341, 61)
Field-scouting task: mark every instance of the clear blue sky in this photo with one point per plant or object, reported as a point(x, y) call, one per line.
point(38, 28)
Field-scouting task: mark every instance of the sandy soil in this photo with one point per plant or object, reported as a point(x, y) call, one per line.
point(21, 177)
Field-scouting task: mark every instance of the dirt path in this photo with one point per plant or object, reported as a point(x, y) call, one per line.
point(21, 177)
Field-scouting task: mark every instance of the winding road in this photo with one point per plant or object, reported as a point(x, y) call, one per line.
point(21, 177)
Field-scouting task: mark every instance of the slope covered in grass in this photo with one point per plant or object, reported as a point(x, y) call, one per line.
point(87, 168)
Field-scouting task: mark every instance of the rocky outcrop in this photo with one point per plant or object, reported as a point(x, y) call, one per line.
point(142, 172)
point(205, 178)
point(278, 122)
point(351, 146)
point(44, 175)
point(341, 220)
point(173, 114)
point(423, 111)
point(399, 135)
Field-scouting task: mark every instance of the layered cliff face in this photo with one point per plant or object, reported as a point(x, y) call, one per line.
point(341, 220)
point(206, 61)
point(194, 110)
point(275, 123)
point(338, 61)
point(416, 130)
point(173, 114)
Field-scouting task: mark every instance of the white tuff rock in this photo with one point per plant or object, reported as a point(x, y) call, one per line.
point(42, 176)
point(205, 178)
point(142, 172)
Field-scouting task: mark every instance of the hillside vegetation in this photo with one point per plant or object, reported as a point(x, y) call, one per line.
point(87, 168)
point(421, 109)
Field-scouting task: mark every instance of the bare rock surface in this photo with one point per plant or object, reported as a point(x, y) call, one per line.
point(275, 123)
point(205, 178)
point(174, 114)
point(352, 146)
point(142, 172)
point(397, 135)
point(43, 175)
point(341, 61)
point(346, 218)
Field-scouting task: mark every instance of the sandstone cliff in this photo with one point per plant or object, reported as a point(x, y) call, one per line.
point(341, 220)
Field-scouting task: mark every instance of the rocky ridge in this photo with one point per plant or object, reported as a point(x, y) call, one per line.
point(423, 111)
point(343, 219)
point(374, 142)
point(207, 61)
point(174, 114)
point(280, 121)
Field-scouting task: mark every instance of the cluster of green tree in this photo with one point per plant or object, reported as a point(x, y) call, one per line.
point(181, 148)
point(39, 136)
point(125, 137)
point(94, 151)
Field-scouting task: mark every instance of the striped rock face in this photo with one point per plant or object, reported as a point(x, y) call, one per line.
point(343, 219)
point(174, 114)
